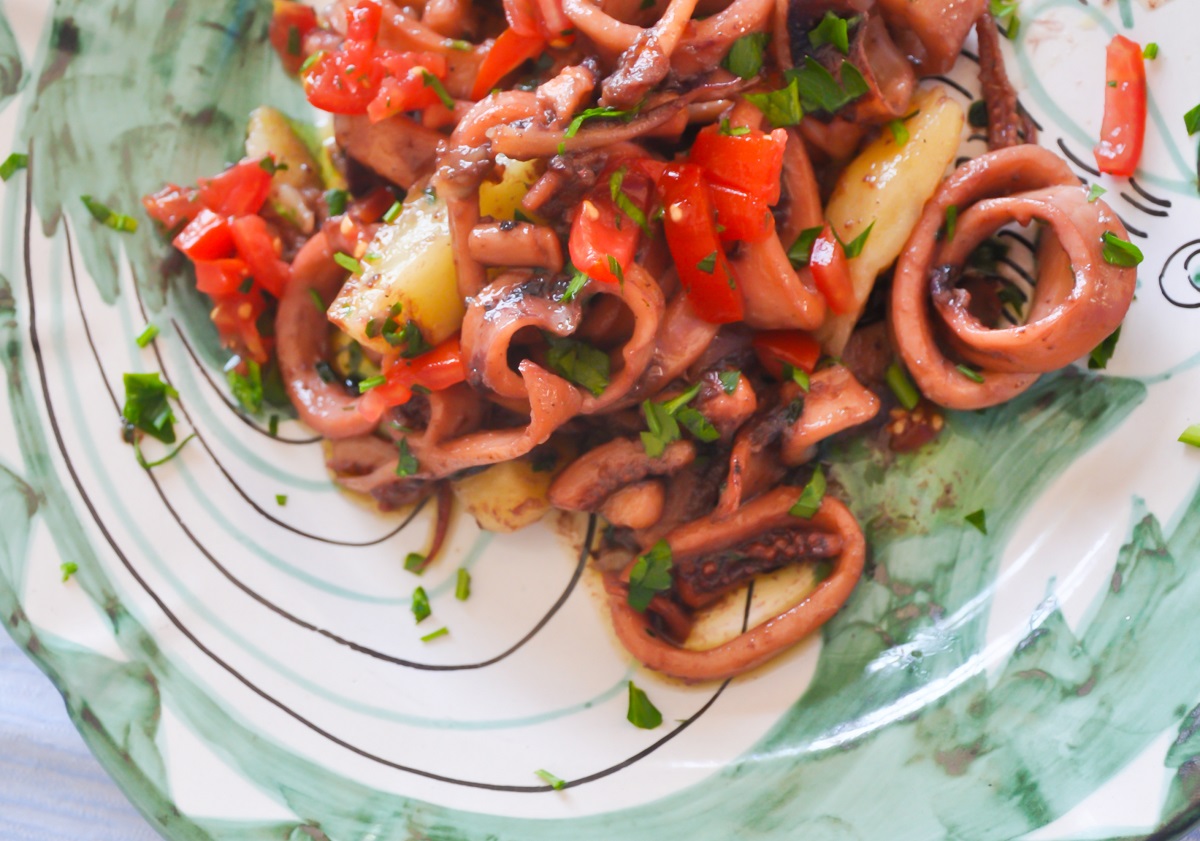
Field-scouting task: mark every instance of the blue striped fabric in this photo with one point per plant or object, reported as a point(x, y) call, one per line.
point(51, 788)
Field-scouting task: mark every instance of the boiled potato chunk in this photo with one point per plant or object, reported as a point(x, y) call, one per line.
point(410, 263)
point(505, 497)
point(774, 593)
point(501, 199)
point(888, 184)
point(269, 132)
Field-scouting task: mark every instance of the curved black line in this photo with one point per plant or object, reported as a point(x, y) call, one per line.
point(35, 345)
point(970, 56)
point(965, 91)
point(977, 136)
point(1153, 199)
point(1019, 269)
point(1137, 232)
point(1019, 237)
point(1073, 158)
point(1023, 110)
point(233, 407)
point(1163, 274)
point(1149, 210)
point(262, 512)
point(959, 161)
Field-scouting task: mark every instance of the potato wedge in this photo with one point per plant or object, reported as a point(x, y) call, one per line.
point(505, 497)
point(774, 593)
point(500, 199)
point(888, 184)
point(414, 269)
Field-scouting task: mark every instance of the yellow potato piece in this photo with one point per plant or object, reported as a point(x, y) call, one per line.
point(774, 593)
point(270, 132)
point(505, 497)
point(500, 199)
point(888, 184)
point(413, 266)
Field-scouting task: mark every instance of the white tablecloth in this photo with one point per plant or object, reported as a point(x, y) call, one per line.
point(51, 788)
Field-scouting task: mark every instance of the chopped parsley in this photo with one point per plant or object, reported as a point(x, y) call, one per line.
point(603, 112)
point(780, 107)
point(1191, 435)
point(820, 91)
point(731, 130)
point(899, 132)
point(663, 420)
point(797, 375)
point(951, 221)
point(699, 426)
point(970, 373)
point(1094, 192)
point(335, 200)
point(745, 58)
point(624, 203)
point(370, 383)
point(642, 713)
point(708, 264)
point(147, 406)
point(1006, 11)
point(311, 60)
point(801, 251)
point(579, 363)
point(855, 246)
point(462, 584)
point(147, 335)
point(420, 605)
point(1098, 358)
point(1119, 252)
point(348, 263)
point(729, 380)
point(1150, 51)
point(978, 519)
point(393, 212)
point(901, 386)
point(109, 218)
point(434, 82)
point(409, 337)
point(247, 388)
point(267, 164)
point(68, 569)
point(574, 286)
point(832, 30)
point(810, 498)
point(432, 635)
point(13, 164)
point(549, 779)
point(414, 562)
point(281, 500)
point(1192, 120)
point(650, 575)
point(407, 465)
point(615, 268)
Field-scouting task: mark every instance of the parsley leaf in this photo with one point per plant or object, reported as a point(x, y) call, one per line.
point(247, 388)
point(901, 386)
point(1192, 120)
point(624, 203)
point(579, 363)
point(407, 465)
point(12, 164)
point(109, 218)
point(575, 286)
point(694, 422)
point(1098, 358)
point(820, 91)
point(855, 246)
point(801, 250)
point(147, 406)
point(970, 373)
point(434, 82)
point(1094, 192)
point(68, 568)
point(663, 428)
point(549, 779)
point(1119, 252)
point(641, 712)
point(781, 107)
point(810, 498)
point(420, 605)
point(462, 584)
point(951, 221)
point(650, 575)
point(978, 519)
point(832, 30)
point(745, 57)
point(729, 380)
point(708, 264)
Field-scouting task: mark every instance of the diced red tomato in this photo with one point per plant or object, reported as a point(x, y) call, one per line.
point(172, 206)
point(207, 237)
point(508, 52)
point(239, 190)
point(774, 348)
point(436, 370)
point(751, 162)
point(289, 24)
point(831, 272)
point(741, 215)
point(257, 246)
point(602, 234)
point(362, 22)
point(221, 277)
point(405, 88)
point(236, 319)
point(690, 227)
point(1124, 129)
point(336, 83)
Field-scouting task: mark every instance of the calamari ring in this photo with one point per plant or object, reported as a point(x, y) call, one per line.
point(1079, 293)
point(769, 638)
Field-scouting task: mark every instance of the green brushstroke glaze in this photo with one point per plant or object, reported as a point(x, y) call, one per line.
point(899, 695)
point(12, 71)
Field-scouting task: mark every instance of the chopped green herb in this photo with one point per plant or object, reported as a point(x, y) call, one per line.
point(780, 107)
point(708, 264)
point(457, 44)
point(549, 779)
point(987, 254)
point(281, 500)
point(68, 568)
point(147, 335)
point(520, 215)
point(977, 114)
point(1098, 358)
point(370, 383)
point(820, 91)
point(434, 82)
point(325, 371)
point(267, 164)
point(432, 635)
point(745, 57)
point(12, 164)
point(1094, 192)
point(1191, 435)
point(246, 285)
point(147, 406)
point(1119, 252)
point(462, 584)
point(310, 61)
point(899, 132)
point(832, 30)
point(108, 218)
point(348, 263)
point(731, 130)
point(970, 373)
point(273, 426)
point(641, 712)
point(855, 246)
point(393, 212)
point(407, 465)
point(650, 575)
point(579, 363)
point(315, 297)
point(409, 337)
point(978, 519)
point(729, 380)
point(615, 268)
point(247, 388)
point(150, 465)
point(699, 426)
point(663, 429)
point(1192, 120)
point(797, 375)
point(801, 251)
point(1151, 51)
point(414, 562)
point(951, 221)
point(335, 200)
point(420, 605)
point(902, 386)
point(575, 286)
point(810, 498)
point(602, 113)
point(624, 203)
point(1006, 11)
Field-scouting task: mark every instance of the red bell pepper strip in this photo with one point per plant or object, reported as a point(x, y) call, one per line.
point(290, 22)
point(1124, 128)
point(436, 370)
point(831, 272)
point(691, 231)
point(256, 245)
point(237, 191)
point(742, 216)
point(172, 206)
point(774, 348)
point(507, 53)
point(207, 237)
point(751, 162)
point(222, 277)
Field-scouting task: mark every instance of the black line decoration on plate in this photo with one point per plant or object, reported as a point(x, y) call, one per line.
point(1148, 196)
point(229, 404)
point(1192, 276)
point(1150, 211)
point(85, 497)
point(1075, 159)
